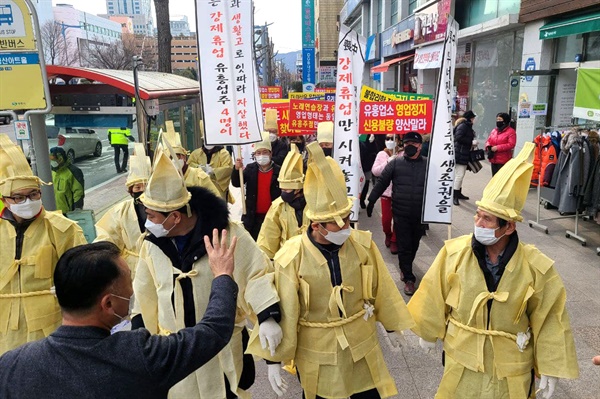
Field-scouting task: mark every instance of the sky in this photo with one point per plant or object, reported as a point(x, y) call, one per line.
point(284, 15)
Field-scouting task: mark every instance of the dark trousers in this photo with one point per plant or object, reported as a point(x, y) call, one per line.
point(253, 226)
point(118, 148)
point(496, 167)
point(408, 238)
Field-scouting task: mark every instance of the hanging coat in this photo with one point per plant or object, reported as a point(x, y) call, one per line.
point(280, 225)
point(28, 309)
point(573, 168)
point(544, 162)
point(160, 292)
point(479, 327)
point(331, 331)
point(195, 177)
point(121, 226)
point(221, 163)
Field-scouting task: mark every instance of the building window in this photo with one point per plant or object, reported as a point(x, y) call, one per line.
point(592, 46)
point(567, 47)
point(412, 5)
point(379, 16)
point(393, 12)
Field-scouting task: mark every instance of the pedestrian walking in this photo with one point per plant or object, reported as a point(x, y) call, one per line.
point(501, 142)
point(368, 152)
point(464, 139)
point(31, 241)
point(333, 287)
point(119, 139)
point(262, 187)
point(67, 180)
point(497, 303)
point(407, 176)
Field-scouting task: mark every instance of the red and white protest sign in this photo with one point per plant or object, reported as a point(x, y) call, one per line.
point(305, 115)
point(396, 117)
point(230, 95)
point(283, 117)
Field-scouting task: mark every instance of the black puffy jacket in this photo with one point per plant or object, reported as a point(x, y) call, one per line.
point(408, 184)
point(463, 140)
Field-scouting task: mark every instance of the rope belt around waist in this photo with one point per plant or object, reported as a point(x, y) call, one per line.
point(474, 330)
point(27, 294)
point(332, 324)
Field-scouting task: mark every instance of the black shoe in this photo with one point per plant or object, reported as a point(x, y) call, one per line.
point(362, 203)
point(461, 196)
point(455, 200)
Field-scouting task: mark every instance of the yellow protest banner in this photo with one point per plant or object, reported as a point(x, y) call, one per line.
point(369, 94)
point(304, 96)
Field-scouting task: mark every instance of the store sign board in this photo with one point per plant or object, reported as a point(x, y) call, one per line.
point(16, 26)
point(327, 74)
point(308, 66)
point(308, 23)
point(398, 38)
point(539, 109)
point(463, 57)
point(429, 57)
point(431, 22)
point(587, 100)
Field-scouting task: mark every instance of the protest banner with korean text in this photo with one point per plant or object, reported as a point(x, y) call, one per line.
point(305, 115)
point(350, 67)
point(437, 199)
point(283, 116)
point(271, 92)
point(305, 95)
point(230, 94)
point(396, 117)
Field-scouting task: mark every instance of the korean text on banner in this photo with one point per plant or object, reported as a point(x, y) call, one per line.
point(350, 68)
point(271, 92)
point(283, 117)
point(306, 114)
point(230, 95)
point(437, 201)
point(396, 117)
point(307, 94)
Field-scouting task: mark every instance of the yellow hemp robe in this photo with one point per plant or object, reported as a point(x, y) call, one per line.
point(530, 295)
point(279, 226)
point(28, 309)
point(198, 178)
point(344, 357)
point(120, 226)
point(221, 164)
point(153, 287)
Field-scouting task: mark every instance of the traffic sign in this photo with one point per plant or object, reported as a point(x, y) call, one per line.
point(16, 29)
point(22, 130)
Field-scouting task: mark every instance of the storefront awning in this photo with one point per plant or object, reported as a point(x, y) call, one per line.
point(383, 67)
point(571, 26)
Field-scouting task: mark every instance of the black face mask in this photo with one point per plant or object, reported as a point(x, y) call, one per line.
point(410, 150)
point(288, 196)
point(500, 124)
point(328, 151)
point(300, 146)
point(136, 196)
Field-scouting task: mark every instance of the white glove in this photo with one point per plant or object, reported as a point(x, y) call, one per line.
point(208, 169)
point(397, 340)
point(277, 383)
point(270, 333)
point(371, 138)
point(426, 345)
point(475, 142)
point(547, 385)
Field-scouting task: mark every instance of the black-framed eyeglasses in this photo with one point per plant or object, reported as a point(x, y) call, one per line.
point(19, 199)
point(390, 139)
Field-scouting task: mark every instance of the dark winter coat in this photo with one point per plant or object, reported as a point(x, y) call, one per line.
point(251, 183)
point(86, 362)
point(279, 150)
point(463, 141)
point(408, 184)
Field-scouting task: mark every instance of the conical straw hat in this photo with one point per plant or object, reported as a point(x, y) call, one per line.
point(291, 175)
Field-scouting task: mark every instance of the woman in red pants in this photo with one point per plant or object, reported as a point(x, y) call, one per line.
point(392, 149)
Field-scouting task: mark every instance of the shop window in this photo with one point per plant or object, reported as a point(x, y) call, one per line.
point(592, 47)
point(474, 12)
point(567, 47)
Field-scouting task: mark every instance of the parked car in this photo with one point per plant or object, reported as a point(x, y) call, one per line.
point(77, 142)
point(5, 119)
point(51, 130)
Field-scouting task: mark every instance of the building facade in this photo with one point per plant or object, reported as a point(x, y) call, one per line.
point(138, 10)
point(180, 26)
point(327, 26)
point(184, 53)
point(80, 30)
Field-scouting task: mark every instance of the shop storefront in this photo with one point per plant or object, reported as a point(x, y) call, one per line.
point(397, 71)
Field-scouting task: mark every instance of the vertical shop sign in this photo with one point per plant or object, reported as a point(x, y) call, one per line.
point(230, 93)
point(308, 69)
point(432, 22)
point(308, 23)
point(437, 202)
point(350, 68)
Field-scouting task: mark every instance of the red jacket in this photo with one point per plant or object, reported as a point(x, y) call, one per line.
point(505, 141)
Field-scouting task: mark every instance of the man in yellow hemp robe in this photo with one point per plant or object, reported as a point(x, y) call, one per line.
point(498, 304)
point(334, 286)
point(31, 241)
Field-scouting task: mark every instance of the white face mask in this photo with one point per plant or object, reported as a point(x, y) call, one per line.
point(209, 147)
point(27, 210)
point(487, 236)
point(336, 237)
point(181, 163)
point(272, 137)
point(263, 160)
point(390, 145)
point(157, 229)
point(54, 164)
point(130, 310)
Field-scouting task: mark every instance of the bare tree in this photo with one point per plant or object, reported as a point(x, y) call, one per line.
point(163, 27)
point(116, 55)
point(55, 41)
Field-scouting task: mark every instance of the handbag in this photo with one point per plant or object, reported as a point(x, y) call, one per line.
point(474, 166)
point(477, 155)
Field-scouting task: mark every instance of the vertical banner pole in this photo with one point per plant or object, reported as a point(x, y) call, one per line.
point(242, 190)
